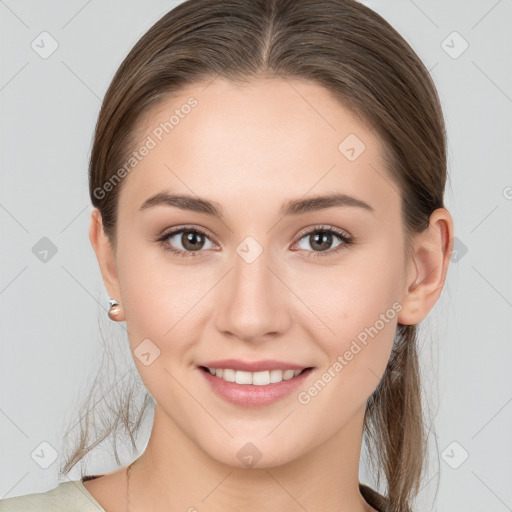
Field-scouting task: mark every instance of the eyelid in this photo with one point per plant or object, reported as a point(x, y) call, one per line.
point(323, 227)
point(166, 233)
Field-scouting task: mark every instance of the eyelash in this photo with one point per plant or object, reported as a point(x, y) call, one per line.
point(345, 238)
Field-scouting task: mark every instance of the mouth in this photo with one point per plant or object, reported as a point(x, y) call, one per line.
point(255, 389)
point(261, 378)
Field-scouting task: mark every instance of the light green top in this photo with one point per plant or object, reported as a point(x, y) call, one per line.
point(70, 496)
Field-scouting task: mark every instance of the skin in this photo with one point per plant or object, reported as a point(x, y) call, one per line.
point(250, 148)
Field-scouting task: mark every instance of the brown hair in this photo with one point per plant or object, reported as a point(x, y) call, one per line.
point(356, 55)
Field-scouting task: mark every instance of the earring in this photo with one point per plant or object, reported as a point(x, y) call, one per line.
point(114, 311)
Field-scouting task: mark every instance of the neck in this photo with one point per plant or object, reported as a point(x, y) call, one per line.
point(174, 474)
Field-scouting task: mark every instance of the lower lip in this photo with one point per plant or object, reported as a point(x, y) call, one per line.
point(250, 395)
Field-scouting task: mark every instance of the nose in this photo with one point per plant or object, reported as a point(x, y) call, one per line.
point(253, 301)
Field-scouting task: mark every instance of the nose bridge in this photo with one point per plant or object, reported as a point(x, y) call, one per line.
point(251, 304)
point(252, 280)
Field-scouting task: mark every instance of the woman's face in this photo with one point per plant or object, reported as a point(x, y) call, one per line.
point(259, 285)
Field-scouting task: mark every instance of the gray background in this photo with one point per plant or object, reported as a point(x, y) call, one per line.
point(52, 310)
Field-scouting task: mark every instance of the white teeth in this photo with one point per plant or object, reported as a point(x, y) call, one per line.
point(228, 375)
point(261, 378)
point(243, 377)
point(288, 374)
point(256, 378)
point(276, 376)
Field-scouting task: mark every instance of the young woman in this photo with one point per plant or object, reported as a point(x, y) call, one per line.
point(267, 179)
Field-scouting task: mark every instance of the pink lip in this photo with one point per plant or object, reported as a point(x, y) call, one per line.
point(249, 395)
point(255, 366)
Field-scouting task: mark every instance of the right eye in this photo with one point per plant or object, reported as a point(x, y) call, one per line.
point(190, 241)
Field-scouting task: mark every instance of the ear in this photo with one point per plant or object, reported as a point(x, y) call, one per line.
point(427, 268)
point(105, 255)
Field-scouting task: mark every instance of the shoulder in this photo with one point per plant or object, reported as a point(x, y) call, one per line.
point(69, 496)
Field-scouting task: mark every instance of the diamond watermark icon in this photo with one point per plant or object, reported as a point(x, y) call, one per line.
point(44, 45)
point(454, 45)
point(44, 454)
point(249, 249)
point(249, 455)
point(44, 250)
point(351, 147)
point(146, 352)
point(454, 455)
point(459, 250)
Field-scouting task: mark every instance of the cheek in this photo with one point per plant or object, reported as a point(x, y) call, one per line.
point(161, 302)
point(161, 297)
point(356, 308)
point(357, 354)
point(353, 295)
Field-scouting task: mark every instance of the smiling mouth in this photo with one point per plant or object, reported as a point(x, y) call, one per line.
point(262, 378)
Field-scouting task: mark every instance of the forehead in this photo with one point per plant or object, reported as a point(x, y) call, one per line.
point(270, 138)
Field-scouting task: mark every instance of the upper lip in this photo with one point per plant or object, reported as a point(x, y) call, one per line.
point(253, 366)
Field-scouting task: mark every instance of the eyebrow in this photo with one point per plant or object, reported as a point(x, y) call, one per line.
point(291, 207)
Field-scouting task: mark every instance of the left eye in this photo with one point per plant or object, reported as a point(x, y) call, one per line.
point(321, 240)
